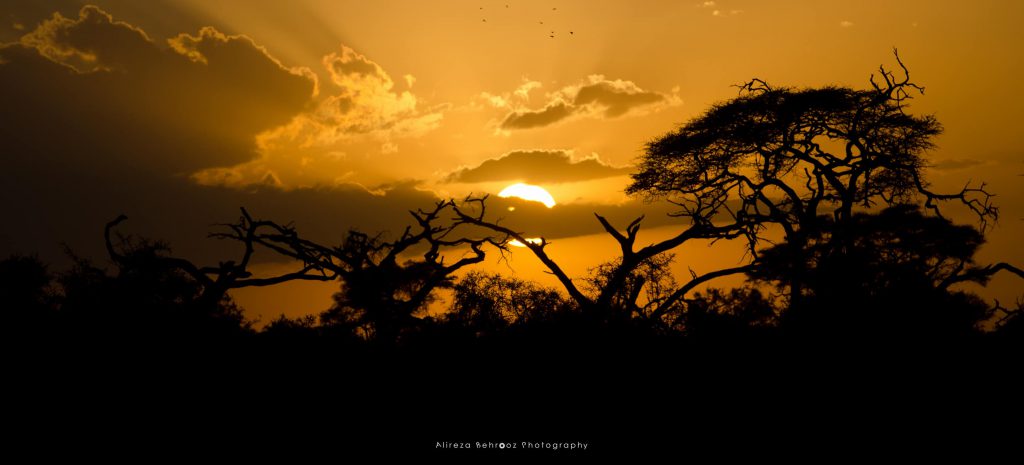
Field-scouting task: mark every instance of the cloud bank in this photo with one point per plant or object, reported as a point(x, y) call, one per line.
point(537, 166)
point(595, 97)
point(103, 84)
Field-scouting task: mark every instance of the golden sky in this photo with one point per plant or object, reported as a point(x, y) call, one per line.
point(335, 114)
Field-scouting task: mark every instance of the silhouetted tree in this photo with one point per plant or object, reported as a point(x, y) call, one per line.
point(787, 157)
point(384, 283)
point(615, 277)
point(298, 332)
point(143, 298)
point(489, 303)
point(213, 281)
point(888, 272)
point(1009, 326)
point(26, 294)
point(725, 315)
point(642, 293)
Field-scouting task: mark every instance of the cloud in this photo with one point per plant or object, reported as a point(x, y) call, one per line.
point(514, 99)
point(523, 91)
point(537, 166)
point(616, 98)
point(718, 12)
point(74, 88)
point(951, 164)
point(362, 101)
point(526, 119)
point(359, 110)
point(845, 23)
point(595, 97)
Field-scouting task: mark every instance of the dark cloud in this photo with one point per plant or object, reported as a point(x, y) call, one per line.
point(951, 164)
point(533, 219)
point(73, 207)
point(526, 119)
point(538, 166)
point(77, 88)
point(597, 97)
point(616, 100)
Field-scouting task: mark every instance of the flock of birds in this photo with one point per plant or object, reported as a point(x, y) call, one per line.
point(550, 35)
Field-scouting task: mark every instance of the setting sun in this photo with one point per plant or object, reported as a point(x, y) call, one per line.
point(528, 192)
point(532, 240)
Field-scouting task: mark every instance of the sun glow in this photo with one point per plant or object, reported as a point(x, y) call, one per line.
point(532, 240)
point(528, 192)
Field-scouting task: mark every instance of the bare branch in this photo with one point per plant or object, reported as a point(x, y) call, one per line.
point(697, 281)
point(537, 249)
point(980, 274)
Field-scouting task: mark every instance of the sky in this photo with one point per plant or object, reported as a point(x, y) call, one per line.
point(339, 114)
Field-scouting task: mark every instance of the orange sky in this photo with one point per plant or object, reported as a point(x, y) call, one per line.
point(338, 114)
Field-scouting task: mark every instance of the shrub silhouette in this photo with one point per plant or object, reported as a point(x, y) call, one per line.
point(26, 295)
point(729, 316)
point(489, 303)
point(144, 299)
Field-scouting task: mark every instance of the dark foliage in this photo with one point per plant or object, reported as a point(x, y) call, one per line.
point(885, 274)
point(487, 303)
point(732, 316)
point(144, 301)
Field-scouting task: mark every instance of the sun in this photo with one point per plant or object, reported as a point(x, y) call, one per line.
point(528, 192)
point(532, 240)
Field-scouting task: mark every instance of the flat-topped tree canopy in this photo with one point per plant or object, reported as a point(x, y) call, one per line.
point(787, 155)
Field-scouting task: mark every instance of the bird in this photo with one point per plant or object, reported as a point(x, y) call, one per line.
point(570, 32)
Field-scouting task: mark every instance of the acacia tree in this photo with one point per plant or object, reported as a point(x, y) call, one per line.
point(786, 157)
point(783, 157)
